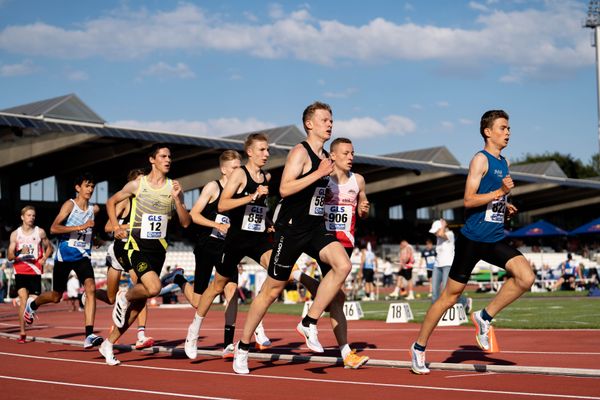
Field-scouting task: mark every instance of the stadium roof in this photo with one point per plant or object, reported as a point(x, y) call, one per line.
point(63, 136)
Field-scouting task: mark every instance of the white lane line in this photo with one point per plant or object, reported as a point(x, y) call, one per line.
point(292, 378)
point(470, 375)
point(190, 396)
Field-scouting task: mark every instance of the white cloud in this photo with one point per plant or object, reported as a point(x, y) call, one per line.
point(442, 104)
point(447, 125)
point(164, 70)
point(25, 68)
point(77, 76)
point(344, 94)
point(478, 6)
point(212, 128)
point(465, 121)
point(367, 127)
point(528, 40)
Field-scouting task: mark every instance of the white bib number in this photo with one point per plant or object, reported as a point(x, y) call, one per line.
point(317, 202)
point(81, 239)
point(338, 218)
point(254, 218)
point(219, 219)
point(495, 211)
point(154, 226)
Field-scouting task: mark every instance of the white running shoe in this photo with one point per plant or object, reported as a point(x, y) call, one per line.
point(229, 351)
point(411, 296)
point(311, 336)
point(240, 360)
point(191, 342)
point(92, 341)
point(28, 313)
point(482, 329)
point(106, 349)
point(119, 313)
point(262, 341)
point(417, 359)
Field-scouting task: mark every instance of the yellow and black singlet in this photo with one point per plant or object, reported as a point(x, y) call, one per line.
point(150, 212)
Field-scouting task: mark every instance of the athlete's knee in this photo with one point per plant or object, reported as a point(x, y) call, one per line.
point(56, 296)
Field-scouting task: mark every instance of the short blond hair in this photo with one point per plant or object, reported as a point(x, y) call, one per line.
point(27, 208)
point(229, 155)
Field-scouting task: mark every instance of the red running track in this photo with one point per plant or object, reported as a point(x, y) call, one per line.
point(50, 371)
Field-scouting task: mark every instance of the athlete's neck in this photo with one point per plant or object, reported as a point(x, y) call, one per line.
point(254, 170)
point(27, 228)
point(156, 178)
point(340, 176)
point(492, 149)
point(81, 202)
point(316, 144)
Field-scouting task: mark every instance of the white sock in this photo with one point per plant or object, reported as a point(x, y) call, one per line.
point(197, 322)
point(345, 349)
point(396, 290)
point(141, 334)
point(296, 275)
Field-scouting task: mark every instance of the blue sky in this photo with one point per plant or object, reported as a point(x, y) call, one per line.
point(400, 75)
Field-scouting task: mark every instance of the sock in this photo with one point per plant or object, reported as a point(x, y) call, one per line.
point(417, 346)
point(485, 316)
point(33, 305)
point(395, 292)
point(296, 275)
point(244, 346)
point(197, 322)
point(306, 321)
point(345, 350)
point(89, 329)
point(228, 337)
point(141, 334)
point(180, 281)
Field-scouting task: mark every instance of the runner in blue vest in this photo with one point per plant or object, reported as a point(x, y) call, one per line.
point(481, 238)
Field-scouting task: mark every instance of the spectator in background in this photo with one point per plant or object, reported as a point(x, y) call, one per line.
point(388, 272)
point(73, 292)
point(428, 256)
point(570, 273)
point(407, 261)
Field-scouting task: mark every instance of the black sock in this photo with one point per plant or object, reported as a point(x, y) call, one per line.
point(89, 329)
point(307, 321)
point(229, 332)
point(33, 305)
point(180, 281)
point(244, 346)
point(486, 317)
point(419, 347)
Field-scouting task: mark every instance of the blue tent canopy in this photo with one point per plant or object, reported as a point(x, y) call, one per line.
point(590, 227)
point(538, 229)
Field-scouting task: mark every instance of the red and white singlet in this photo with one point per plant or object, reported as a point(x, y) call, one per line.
point(30, 252)
point(340, 209)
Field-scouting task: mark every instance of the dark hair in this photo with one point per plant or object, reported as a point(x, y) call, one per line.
point(85, 176)
point(310, 111)
point(156, 148)
point(488, 118)
point(338, 141)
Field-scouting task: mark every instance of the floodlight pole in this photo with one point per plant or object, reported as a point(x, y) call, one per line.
point(593, 21)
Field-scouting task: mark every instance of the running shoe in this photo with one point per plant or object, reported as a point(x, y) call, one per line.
point(144, 343)
point(262, 341)
point(170, 278)
point(311, 336)
point(482, 329)
point(229, 351)
point(92, 341)
point(119, 313)
point(191, 342)
point(22, 339)
point(354, 361)
point(417, 359)
point(469, 306)
point(28, 313)
point(106, 349)
point(240, 360)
